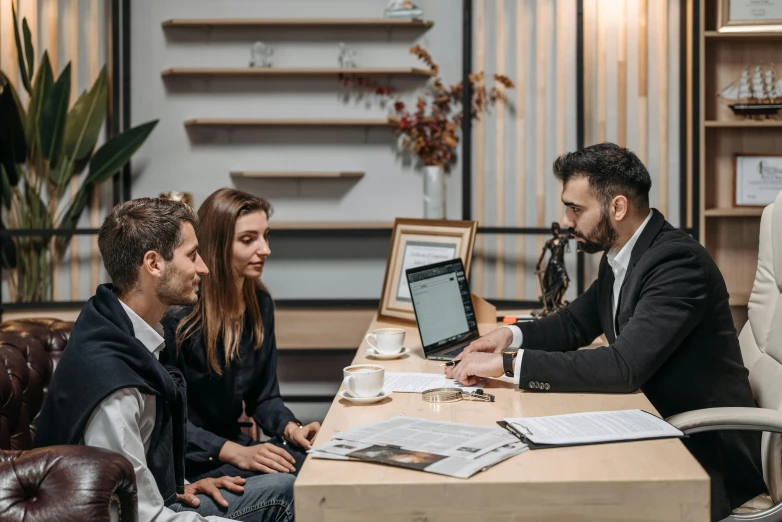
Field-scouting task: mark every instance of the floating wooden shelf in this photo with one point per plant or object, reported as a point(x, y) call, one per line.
point(743, 36)
point(298, 175)
point(733, 212)
point(260, 72)
point(330, 225)
point(239, 122)
point(743, 124)
point(320, 23)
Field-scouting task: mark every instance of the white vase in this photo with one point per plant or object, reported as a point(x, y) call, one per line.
point(434, 192)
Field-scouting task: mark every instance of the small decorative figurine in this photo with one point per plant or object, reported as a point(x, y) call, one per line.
point(261, 55)
point(347, 56)
point(554, 279)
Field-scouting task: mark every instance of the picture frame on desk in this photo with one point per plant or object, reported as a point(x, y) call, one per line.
point(419, 242)
point(748, 16)
point(757, 179)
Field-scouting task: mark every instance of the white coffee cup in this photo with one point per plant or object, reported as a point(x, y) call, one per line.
point(387, 340)
point(363, 380)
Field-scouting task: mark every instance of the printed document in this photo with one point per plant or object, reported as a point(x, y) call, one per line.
point(593, 427)
point(419, 382)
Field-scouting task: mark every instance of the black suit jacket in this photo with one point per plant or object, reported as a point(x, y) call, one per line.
point(675, 341)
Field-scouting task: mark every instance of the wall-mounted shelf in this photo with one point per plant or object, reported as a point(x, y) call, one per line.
point(743, 124)
point(715, 35)
point(240, 122)
point(733, 212)
point(321, 23)
point(297, 175)
point(331, 225)
point(259, 72)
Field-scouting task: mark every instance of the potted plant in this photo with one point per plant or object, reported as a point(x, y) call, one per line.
point(42, 146)
point(431, 129)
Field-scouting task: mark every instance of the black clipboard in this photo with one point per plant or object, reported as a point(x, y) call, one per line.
point(537, 445)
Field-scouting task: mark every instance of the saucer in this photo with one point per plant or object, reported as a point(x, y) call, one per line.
point(364, 400)
point(371, 352)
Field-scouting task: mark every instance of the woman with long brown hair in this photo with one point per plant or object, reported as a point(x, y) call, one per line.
point(226, 349)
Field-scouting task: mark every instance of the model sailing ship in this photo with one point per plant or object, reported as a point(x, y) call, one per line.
point(757, 93)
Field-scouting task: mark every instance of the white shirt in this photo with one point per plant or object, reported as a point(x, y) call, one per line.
point(619, 262)
point(123, 423)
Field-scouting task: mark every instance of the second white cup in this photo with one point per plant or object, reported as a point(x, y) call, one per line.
point(387, 340)
point(363, 380)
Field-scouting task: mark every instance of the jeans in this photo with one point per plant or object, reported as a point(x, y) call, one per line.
point(266, 498)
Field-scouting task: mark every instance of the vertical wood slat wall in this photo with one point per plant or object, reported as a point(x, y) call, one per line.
point(71, 31)
point(631, 97)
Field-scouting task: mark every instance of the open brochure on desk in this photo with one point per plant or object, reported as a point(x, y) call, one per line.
point(447, 448)
point(598, 427)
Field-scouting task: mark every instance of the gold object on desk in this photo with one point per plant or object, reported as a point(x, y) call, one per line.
point(454, 395)
point(185, 197)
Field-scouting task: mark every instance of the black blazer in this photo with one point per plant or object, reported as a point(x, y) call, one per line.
point(675, 341)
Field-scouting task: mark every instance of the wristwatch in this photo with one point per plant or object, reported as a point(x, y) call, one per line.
point(508, 358)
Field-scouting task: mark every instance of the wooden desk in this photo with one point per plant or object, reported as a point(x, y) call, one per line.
point(638, 481)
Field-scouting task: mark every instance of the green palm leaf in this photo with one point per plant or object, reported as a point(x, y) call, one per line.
point(19, 51)
point(28, 49)
point(113, 155)
point(85, 120)
point(51, 122)
point(13, 148)
point(42, 86)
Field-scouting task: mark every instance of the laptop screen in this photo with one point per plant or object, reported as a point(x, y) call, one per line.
point(442, 304)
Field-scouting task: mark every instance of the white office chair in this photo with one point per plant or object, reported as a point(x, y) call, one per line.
point(761, 349)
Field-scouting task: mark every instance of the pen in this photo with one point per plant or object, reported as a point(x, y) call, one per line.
point(451, 363)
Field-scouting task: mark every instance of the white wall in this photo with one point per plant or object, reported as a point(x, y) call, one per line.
point(174, 160)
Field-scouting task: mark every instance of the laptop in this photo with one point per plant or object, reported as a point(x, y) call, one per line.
point(443, 308)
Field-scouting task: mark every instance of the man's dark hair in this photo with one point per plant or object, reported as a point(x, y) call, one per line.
point(134, 228)
point(611, 170)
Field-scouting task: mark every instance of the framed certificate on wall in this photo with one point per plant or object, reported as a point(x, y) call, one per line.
point(757, 179)
point(420, 242)
point(735, 16)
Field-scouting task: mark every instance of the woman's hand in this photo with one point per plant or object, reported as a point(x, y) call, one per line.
point(266, 458)
point(211, 487)
point(301, 436)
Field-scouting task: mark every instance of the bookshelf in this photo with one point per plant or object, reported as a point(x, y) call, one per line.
point(730, 233)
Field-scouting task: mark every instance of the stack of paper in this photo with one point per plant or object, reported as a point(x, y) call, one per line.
point(591, 428)
point(447, 448)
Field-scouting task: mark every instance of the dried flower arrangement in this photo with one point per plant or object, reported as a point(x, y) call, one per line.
point(431, 129)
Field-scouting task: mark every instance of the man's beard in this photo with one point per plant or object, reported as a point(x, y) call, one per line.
point(601, 238)
point(174, 290)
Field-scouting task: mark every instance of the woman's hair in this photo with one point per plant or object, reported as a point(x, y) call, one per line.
point(217, 315)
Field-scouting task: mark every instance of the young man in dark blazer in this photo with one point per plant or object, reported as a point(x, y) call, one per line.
point(111, 391)
point(662, 304)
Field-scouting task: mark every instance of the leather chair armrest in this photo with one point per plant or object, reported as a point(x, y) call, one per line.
point(715, 419)
point(67, 484)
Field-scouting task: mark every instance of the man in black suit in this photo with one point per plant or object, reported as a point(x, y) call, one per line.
point(661, 302)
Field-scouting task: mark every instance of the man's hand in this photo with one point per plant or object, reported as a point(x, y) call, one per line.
point(475, 366)
point(211, 487)
point(493, 342)
point(301, 436)
point(266, 458)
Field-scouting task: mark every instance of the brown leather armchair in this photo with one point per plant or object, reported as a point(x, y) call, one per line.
point(63, 483)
